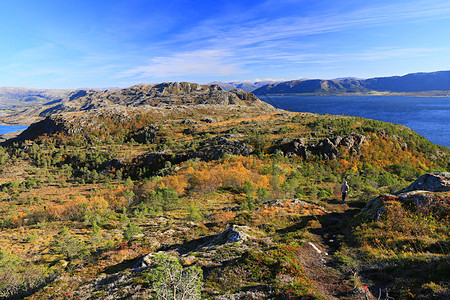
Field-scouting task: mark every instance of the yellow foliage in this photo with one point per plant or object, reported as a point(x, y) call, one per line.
point(223, 216)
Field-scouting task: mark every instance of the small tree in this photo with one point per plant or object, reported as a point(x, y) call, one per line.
point(194, 214)
point(69, 245)
point(171, 282)
point(131, 230)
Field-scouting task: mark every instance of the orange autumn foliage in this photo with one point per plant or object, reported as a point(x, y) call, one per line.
point(230, 173)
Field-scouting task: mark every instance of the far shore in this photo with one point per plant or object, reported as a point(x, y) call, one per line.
point(421, 94)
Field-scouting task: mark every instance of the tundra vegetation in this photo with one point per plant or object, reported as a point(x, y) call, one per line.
point(137, 207)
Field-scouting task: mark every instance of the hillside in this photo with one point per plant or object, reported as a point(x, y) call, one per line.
point(15, 96)
point(173, 94)
point(245, 86)
point(112, 192)
point(18, 104)
point(431, 84)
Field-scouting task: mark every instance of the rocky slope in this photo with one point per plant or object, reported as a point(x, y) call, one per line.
point(410, 83)
point(430, 191)
point(109, 180)
point(82, 108)
point(171, 94)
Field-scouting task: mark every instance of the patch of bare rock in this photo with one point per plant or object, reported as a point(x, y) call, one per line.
point(328, 148)
point(430, 190)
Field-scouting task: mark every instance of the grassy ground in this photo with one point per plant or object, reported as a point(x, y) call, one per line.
point(71, 226)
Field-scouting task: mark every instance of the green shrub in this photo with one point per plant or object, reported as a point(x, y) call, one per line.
point(131, 230)
point(324, 192)
point(170, 281)
point(18, 279)
point(194, 214)
point(386, 179)
point(69, 245)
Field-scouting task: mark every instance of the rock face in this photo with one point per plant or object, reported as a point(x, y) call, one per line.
point(432, 182)
point(217, 147)
point(429, 190)
point(145, 135)
point(296, 147)
point(328, 148)
point(56, 124)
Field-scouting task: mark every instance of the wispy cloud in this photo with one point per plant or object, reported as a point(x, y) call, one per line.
point(223, 47)
point(372, 54)
point(200, 62)
point(254, 31)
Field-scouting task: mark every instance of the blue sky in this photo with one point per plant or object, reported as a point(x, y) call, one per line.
point(119, 43)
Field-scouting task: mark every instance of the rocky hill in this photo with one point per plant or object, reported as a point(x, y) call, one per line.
point(164, 94)
point(245, 86)
point(428, 83)
point(190, 189)
point(174, 94)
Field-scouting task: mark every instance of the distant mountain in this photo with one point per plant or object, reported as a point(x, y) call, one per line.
point(20, 96)
point(410, 83)
point(245, 86)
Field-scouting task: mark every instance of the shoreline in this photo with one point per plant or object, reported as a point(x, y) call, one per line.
point(418, 95)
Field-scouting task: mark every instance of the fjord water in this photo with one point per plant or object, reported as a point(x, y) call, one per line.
point(428, 116)
point(11, 128)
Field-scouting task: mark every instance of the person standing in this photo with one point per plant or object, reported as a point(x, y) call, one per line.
point(344, 190)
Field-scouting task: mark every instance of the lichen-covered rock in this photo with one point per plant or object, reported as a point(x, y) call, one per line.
point(296, 147)
point(244, 295)
point(145, 135)
point(430, 192)
point(216, 148)
point(233, 234)
point(375, 207)
point(433, 182)
point(328, 148)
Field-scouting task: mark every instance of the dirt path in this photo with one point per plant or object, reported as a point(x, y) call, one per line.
point(319, 262)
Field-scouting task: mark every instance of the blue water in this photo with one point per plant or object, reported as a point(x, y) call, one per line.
point(11, 128)
point(428, 116)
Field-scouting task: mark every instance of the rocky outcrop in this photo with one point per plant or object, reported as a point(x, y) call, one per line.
point(145, 135)
point(296, 147)
point(430, 192)
point(331, 148)
point(156, 162)
point(328, 148)
point(57, 124)
point(211, 149)
point(163, 95)
point(216, 148)
point(433, 182)
point(231, 235)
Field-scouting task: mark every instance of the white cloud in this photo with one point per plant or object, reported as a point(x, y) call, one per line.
point(256, 31)
point(199, 62)
point(281, 40)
